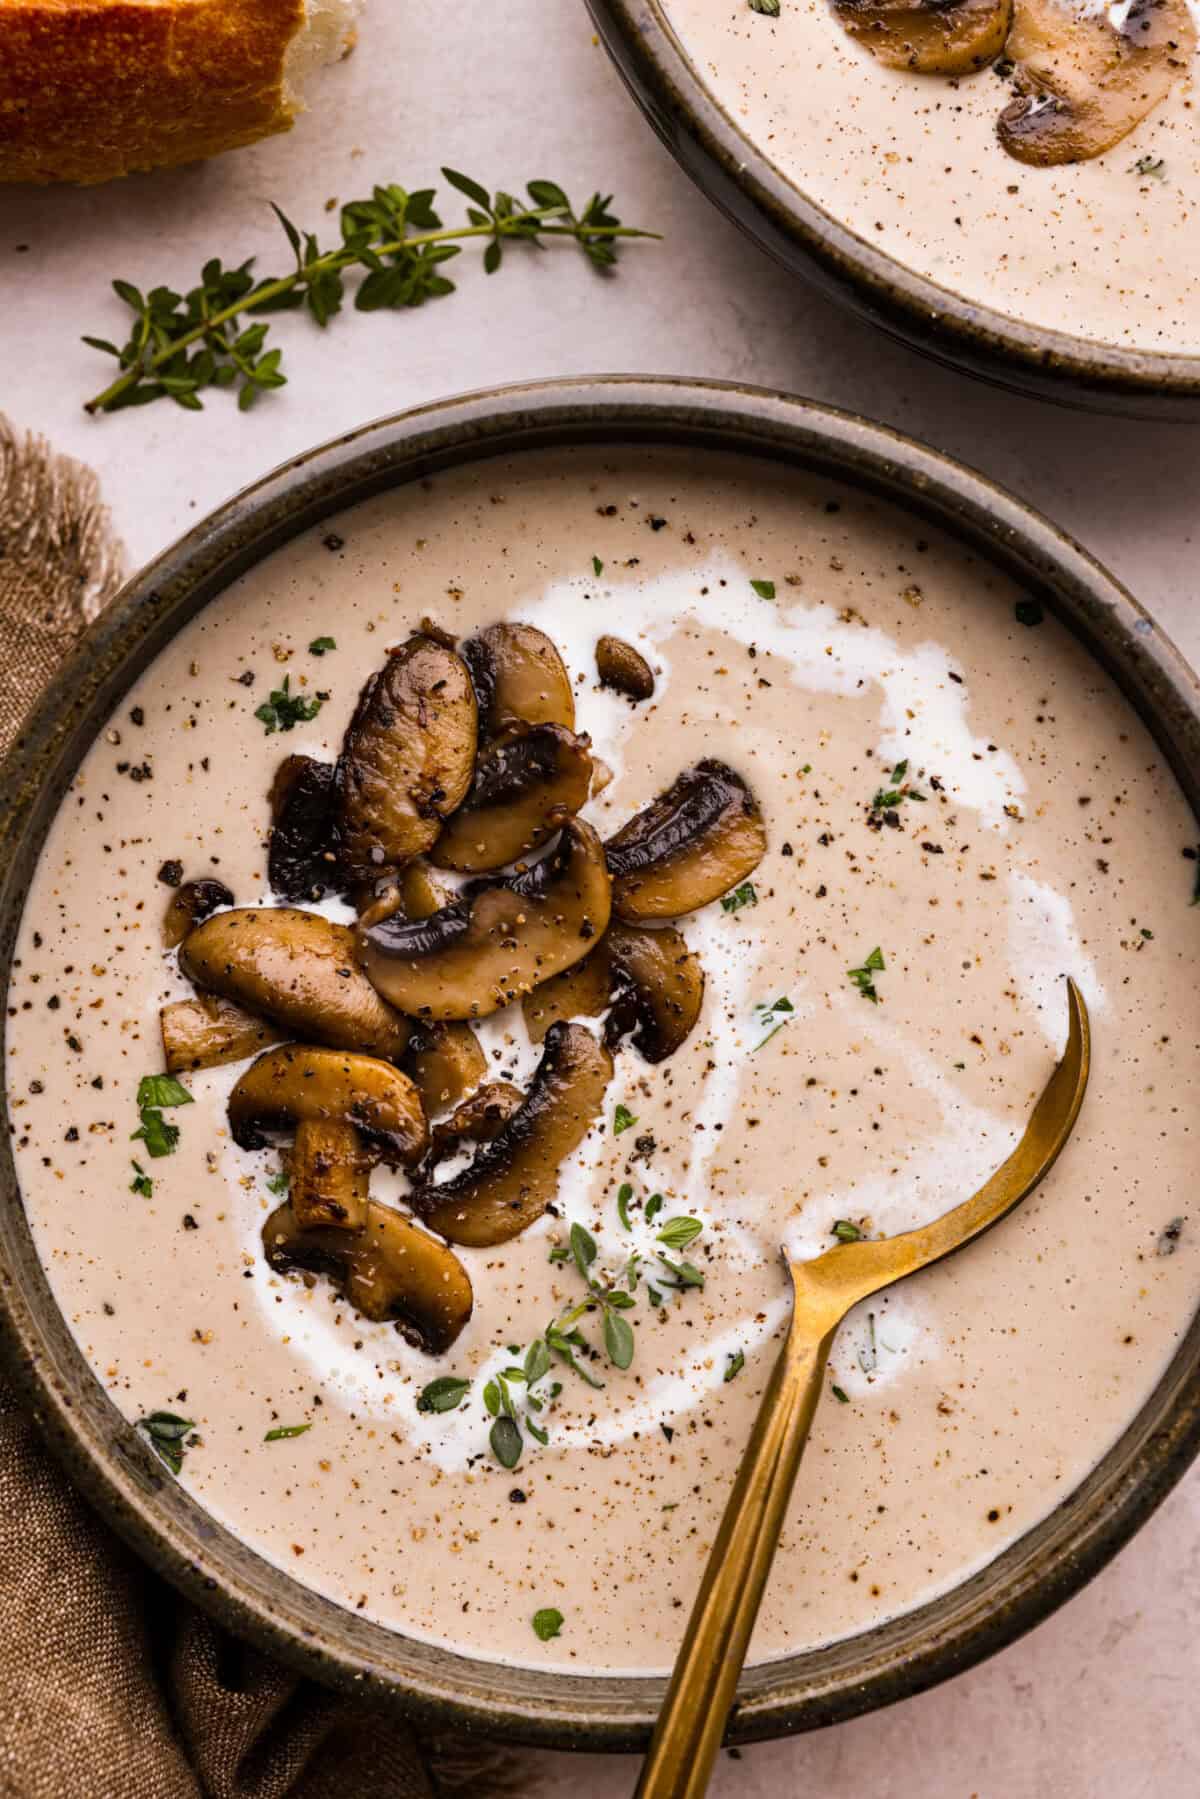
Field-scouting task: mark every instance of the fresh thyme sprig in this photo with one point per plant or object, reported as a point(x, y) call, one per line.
point(509, 1395)
point(180, 344)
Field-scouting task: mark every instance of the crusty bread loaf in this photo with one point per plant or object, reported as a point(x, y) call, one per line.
point(90, 89)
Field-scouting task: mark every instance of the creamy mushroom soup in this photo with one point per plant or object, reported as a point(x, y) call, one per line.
point(924, 166)
point(958, 811)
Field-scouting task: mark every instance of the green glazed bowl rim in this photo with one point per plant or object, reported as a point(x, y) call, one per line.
point(736, 174)
point(106, 1458)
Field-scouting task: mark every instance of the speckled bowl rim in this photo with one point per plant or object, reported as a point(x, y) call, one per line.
point(738, 176)
point(105, 1457)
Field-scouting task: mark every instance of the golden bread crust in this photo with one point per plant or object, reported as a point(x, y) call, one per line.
point(91, 89)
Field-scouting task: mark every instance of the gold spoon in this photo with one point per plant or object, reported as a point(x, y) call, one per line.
point(692, 1720)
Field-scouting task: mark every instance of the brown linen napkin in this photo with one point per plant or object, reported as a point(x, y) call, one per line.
point(111, 1685)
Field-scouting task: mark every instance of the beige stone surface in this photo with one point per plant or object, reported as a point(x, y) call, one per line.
point(1099, 1703)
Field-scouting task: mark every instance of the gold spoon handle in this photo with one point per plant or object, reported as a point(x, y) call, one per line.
point(692, 1720)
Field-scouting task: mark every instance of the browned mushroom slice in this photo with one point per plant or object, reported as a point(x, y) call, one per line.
point(344, 1111)
point(499, 939)
point(583, 991)
point(208, 1031)
point(930, 37)
point(514, 1177)
point(525, 780)
point(188, 905)
point(446, 1062)
point(660, 989)
point(519, 676)
point(477, 1120)
point(391, 1269)
point(696, 841)
point(298, 970)
point(1086, 82)
point(300, 860)
point(623, 668)
point(407, 758)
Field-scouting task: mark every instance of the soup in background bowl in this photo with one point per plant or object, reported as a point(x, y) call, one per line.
point(1011, 187)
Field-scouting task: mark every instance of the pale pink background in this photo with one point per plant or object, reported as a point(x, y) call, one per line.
point(1100, 1703)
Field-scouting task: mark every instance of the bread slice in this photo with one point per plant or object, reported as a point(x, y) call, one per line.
point(90, 89)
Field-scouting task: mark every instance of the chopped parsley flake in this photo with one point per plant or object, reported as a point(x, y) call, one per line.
point(841, 1395)
point(285, 710)
point(888, 798)
point(141, 1182)
point(286, 1430)
point(166, 1432)
point(764, 589)
point(735, 1364)
point(154, 1131)
point(863, 978)
point(597, 566)
point(320, 645)
point(745, 895)
point(623, 1120)
point(845, 1232)
point(154, 1092)
point(771, 1016)
point(624, 1195)
point(162, 1090)
point(654, 1206)
point(547, 1623)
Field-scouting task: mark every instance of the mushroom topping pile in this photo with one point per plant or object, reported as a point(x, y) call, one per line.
point(1084, 79)
point(460, 758)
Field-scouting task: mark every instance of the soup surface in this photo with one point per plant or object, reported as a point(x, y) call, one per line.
point(1107, 249)
point(880, 1012)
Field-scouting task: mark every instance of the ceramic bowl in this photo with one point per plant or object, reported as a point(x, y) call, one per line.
point(739, 177)
point(116, 1469)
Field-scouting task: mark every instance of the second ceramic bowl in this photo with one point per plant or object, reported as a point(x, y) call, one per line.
point(737, 171)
